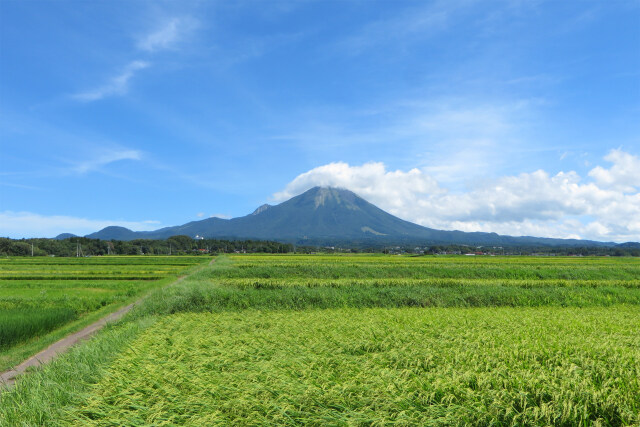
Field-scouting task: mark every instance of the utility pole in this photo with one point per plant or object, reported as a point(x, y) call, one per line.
point(169, 248)
point(31, 249)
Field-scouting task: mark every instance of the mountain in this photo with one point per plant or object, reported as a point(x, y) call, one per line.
point(261, 209)
point(116, 233)
point(329, 216)
point(64, 236)
point(629, 245)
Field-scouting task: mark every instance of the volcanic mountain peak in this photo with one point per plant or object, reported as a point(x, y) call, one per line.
point(325, 194)
point(325, 215)
point(328, 197)
point(261, 209)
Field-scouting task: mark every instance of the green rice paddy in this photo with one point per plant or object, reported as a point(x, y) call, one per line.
point(358, 340)
point(299, 282)
point(40, 295)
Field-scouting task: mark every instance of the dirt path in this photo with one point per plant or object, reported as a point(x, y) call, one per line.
point(8, 378)
point(49, 353)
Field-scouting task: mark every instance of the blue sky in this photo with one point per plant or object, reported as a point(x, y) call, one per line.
point(520, 117)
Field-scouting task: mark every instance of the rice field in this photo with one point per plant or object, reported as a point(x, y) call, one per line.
point(333, 267)
point(481, 366)
point(20, 324)
point(40, 295)
point(360, 340)
point(298, 282)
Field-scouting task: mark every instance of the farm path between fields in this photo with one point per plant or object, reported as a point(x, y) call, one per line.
point(8, 377)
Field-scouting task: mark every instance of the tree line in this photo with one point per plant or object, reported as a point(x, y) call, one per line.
point(175, 245)
point(185, 245)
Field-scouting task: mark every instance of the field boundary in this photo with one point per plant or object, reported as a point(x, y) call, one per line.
point(8, 377)
point(59, 347)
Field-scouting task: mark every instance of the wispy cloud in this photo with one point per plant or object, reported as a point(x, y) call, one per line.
point(21, 186)
point(409, 26)
point(167, 35)
point(117, 86)
point(106, 157)
point(28, 224)
point(452, 138)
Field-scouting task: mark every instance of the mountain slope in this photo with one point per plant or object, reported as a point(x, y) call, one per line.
point(113, 232)
point(325, 216)
point(64, 236)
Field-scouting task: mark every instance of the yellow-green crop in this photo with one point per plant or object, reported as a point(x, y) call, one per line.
point(358, 340)
point(507, 366)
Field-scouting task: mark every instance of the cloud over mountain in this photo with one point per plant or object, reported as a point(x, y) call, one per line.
point(603, 206)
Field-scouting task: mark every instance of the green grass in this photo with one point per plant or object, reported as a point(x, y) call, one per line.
point(543, 366)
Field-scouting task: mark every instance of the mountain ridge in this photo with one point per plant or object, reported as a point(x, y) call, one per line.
point(326, 215)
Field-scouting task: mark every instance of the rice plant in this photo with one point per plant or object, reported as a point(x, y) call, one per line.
point(21, 324)
point(488, 366)
point(348, 340)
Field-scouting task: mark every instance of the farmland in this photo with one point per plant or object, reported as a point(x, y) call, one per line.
point(299, 282)
point(371, 366)
point(42, 295)
point(360, 340)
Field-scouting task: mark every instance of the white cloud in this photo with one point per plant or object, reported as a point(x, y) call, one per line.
point(105, 157)
point(27, 224)
point(624, 175)
point(536, 203)
point(117, 86)
point(370, 181)
point(167, 35)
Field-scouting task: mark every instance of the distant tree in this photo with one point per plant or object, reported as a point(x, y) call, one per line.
point(181, 243)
